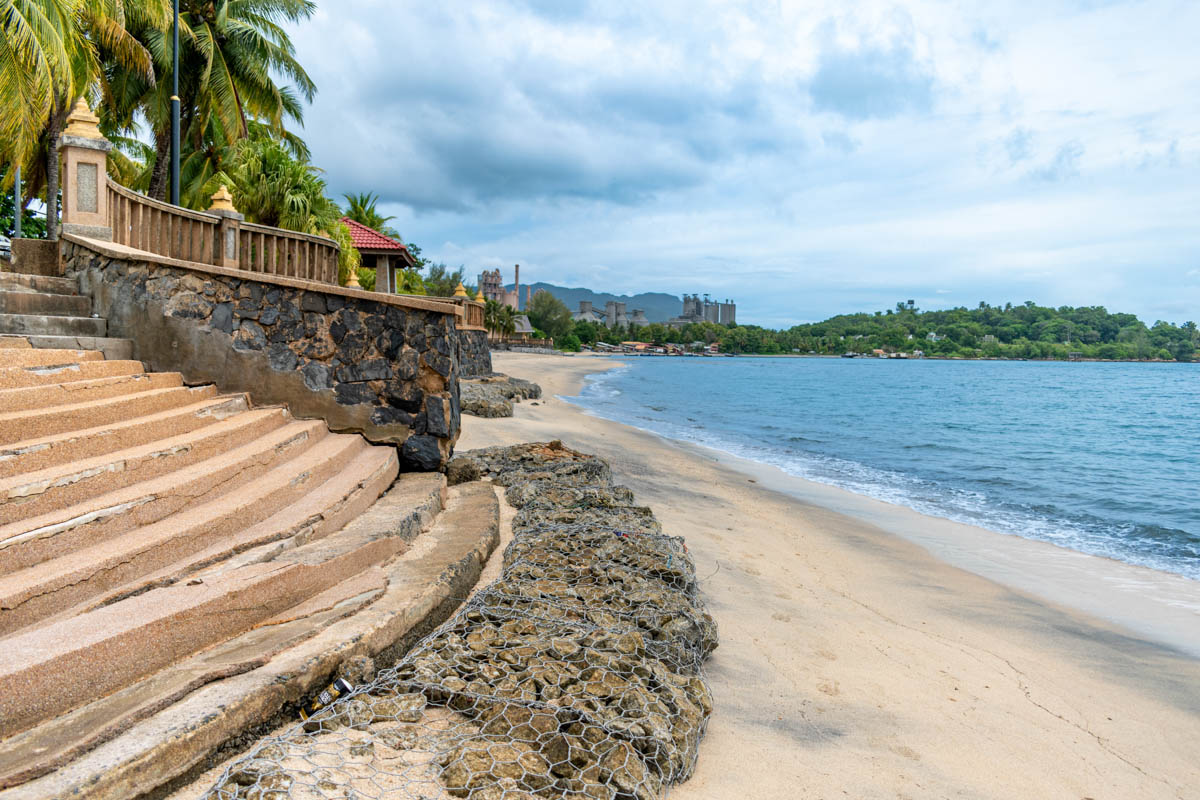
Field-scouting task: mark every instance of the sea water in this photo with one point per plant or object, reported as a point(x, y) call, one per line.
point(1102, 458)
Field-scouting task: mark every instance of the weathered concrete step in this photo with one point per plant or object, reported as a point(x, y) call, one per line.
point(87, 390)
point(48, 588)
point(37, 423)
point(31, 494)
point(95, 654)
point(14, 342)
point(31, 455)
point(61, 305)
point(42, 324)
point(15, 281)
point(47, 357)
point(318, 513)
point(112, 348)
point(52, 540)
point(147, 734)
point(20, 377)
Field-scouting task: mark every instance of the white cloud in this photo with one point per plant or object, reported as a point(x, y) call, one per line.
point(804, 159)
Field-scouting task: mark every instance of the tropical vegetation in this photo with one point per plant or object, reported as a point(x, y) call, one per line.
point(242, 93)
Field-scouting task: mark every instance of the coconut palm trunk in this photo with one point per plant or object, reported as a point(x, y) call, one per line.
point(53, 132)
point(162, 161)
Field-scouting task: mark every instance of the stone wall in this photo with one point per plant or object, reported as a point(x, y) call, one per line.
point(386, 368)
point(474, 354)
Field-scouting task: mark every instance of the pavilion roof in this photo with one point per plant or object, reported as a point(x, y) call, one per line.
point(370, 239)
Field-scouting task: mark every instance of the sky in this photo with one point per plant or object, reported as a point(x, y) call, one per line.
point(802, 158)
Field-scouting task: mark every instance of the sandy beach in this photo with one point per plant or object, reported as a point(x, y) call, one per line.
point(854, 663)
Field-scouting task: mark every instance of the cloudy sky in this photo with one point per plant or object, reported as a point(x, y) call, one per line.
point(804, 158)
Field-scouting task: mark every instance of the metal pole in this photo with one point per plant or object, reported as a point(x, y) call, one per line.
point(17, 203)
point(175, 110)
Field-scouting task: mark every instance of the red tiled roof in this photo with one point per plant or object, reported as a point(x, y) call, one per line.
point(368, 239)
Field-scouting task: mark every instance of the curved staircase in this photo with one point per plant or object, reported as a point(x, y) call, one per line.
point(117, 487)
point(166, 548)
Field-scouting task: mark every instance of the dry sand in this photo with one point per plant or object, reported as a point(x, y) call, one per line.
point(855, 664)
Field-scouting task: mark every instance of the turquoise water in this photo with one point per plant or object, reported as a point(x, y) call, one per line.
point(1100, 458)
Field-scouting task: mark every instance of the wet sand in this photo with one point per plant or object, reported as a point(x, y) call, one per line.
point(854, 663)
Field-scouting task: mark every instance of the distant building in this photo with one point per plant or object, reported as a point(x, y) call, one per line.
point(615, 315)
point(639, 318)
point(588, 314)
point(491, 287)
point(934, 337)
point(523, 328)
point(696, 310)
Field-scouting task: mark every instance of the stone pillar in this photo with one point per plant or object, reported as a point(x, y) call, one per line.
point(84, 152)
point(229, 250)
point(383, 270)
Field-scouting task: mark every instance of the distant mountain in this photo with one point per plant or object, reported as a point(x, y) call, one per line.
point(659, 306)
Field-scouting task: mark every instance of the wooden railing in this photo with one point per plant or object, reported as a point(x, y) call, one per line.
point(276, 251)
point(473, 315)
point(156, 227)
point(470, 312)
point(218, 239)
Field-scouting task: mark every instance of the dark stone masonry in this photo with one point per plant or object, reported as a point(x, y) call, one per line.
point(386, 369)
point(474, 354)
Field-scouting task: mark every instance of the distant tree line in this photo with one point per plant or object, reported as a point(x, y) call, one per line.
point(1010, 331)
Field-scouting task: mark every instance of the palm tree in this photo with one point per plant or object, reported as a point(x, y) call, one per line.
point(491, 316)
point(51, 53)
point(36, 37)
point(361, 208)
point(230, 53)
point(507, 321)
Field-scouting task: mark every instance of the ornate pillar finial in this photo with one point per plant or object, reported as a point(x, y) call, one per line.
point(460, 290)
point(222, 200)
point(82, 122)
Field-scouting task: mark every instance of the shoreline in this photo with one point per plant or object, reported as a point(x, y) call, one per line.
point(857, 662)
point(1160, 605)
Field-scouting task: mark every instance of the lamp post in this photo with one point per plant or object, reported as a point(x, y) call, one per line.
point(175, 109)
point(17, 203)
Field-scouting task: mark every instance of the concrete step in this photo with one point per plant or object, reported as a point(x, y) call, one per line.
point(72, 661)
point(111, 348)
point(49, 395)
point(21, 377)
point(79, 572)
point(318, 513)
point(37, 423)
point(31, 494)
point(18, 357)
point(62, 532)
point(38, 324)
point(15, 281)
point(31, 455)
point(152, 732)
point(19, 342)
point(63, 305)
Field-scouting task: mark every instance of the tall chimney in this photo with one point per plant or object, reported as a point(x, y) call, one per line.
point(517, 285)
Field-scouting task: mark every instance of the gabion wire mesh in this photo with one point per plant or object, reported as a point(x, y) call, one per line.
point(576, 674)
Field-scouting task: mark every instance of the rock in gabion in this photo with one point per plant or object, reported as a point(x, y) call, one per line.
point(576, 674)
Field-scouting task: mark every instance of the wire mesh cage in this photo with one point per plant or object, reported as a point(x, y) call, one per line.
point(576, 674)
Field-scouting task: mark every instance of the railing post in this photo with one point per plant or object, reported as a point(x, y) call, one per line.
point(84, 153)
point(229, 231)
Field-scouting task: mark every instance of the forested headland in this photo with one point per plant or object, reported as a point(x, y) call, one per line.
point(987, 331)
